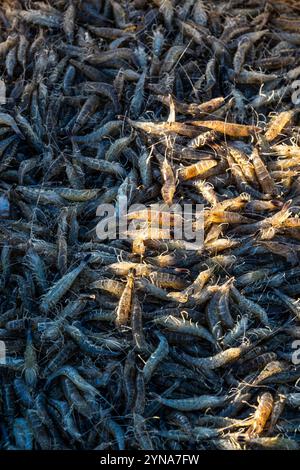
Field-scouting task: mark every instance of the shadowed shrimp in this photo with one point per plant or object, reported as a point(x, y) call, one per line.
point(54, 294)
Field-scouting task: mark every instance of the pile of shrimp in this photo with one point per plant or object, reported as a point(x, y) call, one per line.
point(149, 342)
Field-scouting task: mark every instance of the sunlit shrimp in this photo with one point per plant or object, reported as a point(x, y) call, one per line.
point(262, 414)
point(125, 303)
